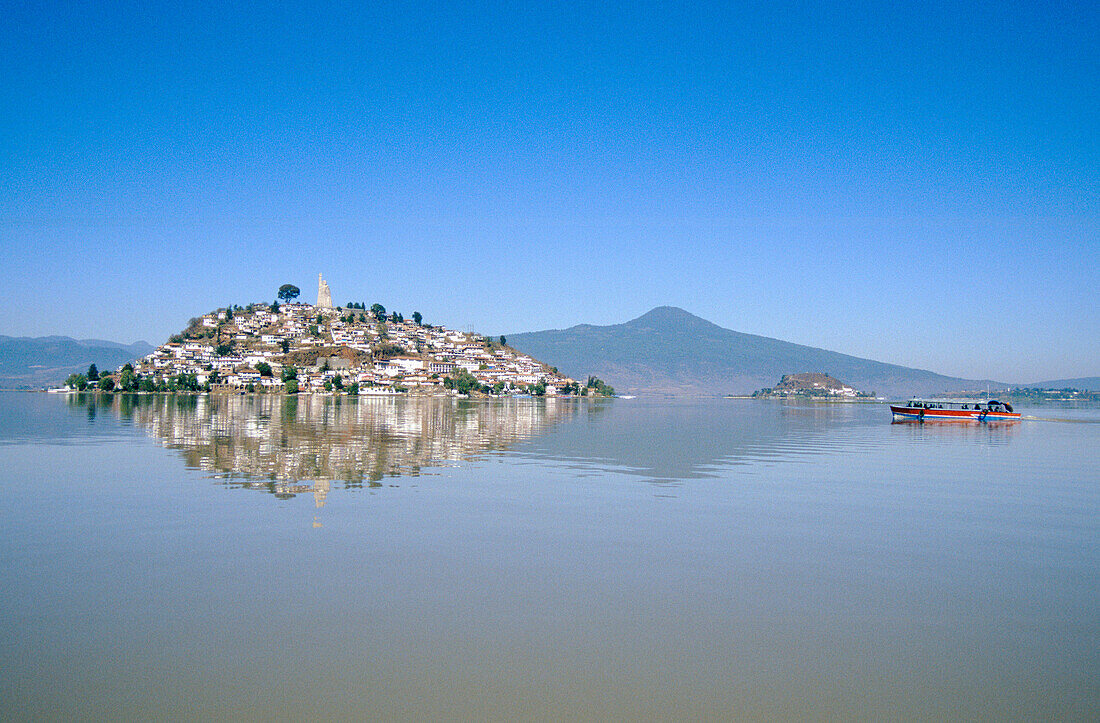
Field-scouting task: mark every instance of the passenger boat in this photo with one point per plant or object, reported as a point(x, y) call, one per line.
point(957, 410)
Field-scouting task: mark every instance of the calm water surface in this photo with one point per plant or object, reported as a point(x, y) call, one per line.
point(264, 558)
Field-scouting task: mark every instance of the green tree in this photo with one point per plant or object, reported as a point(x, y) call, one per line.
point(185, 383)
point(223, 350)
point(289, 373)
point(264, 369)
point(328, 385)
point(289, 292)
point(353, 389)
point(106, 384)
point(503, 341)
point(291, 386)
point(77, 381)
point(147, 384)
point(378, 311)
point(275, 308)
point(127, 381)
point(229, 313)
point(598, 387)
point(338, 382)
point(464, 382)
point(417, 318)
point(93, 373)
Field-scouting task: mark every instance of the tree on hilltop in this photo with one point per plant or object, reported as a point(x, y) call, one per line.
point(379, 311)
point(289, 292)
point(417, 317)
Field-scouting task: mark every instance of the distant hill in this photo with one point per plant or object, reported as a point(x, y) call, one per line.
point(1091, 384)
point(812, 380)
point(34, 362)
point(668, 350)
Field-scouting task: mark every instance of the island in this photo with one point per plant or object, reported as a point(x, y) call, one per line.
point(294, 347)
point(811, 385)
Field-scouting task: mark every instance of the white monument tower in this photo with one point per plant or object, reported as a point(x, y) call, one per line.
point(324, 296)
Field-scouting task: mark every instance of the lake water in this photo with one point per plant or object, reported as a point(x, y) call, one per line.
point(265, 558)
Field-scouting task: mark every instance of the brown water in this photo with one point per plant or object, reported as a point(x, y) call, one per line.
point(387, 558)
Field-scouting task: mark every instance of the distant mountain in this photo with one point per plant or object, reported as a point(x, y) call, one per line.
point(668, 350)
point(34, 362)
point(1090, 384)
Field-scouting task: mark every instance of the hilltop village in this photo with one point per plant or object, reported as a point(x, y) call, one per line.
point(293, 347)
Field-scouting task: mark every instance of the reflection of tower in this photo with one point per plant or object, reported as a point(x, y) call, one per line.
point(320, 492)
point(324, 296)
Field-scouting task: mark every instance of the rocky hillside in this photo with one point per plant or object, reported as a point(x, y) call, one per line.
point(809, 380)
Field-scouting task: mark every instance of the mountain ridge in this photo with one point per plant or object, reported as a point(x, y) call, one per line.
point(31, 362)
point(1091, 384)
point(670, 350)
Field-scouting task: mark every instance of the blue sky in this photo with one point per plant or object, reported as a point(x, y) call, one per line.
point(918, 184)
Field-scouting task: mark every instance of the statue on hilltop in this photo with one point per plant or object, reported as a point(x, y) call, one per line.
point(324, 296)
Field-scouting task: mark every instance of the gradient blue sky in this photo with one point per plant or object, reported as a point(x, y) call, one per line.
point(918, 184)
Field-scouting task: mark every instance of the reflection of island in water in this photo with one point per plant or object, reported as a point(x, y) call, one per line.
point(275, 442)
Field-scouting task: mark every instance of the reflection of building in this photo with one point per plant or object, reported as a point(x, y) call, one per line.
point(320, 492)
point(290, 446)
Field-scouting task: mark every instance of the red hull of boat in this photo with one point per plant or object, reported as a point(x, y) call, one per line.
point(955, 415)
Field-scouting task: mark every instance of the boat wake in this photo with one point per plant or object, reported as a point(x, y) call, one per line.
point(1032, 418)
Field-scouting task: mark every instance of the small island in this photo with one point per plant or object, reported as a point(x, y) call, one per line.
point(811, 385)
point(294, 347)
